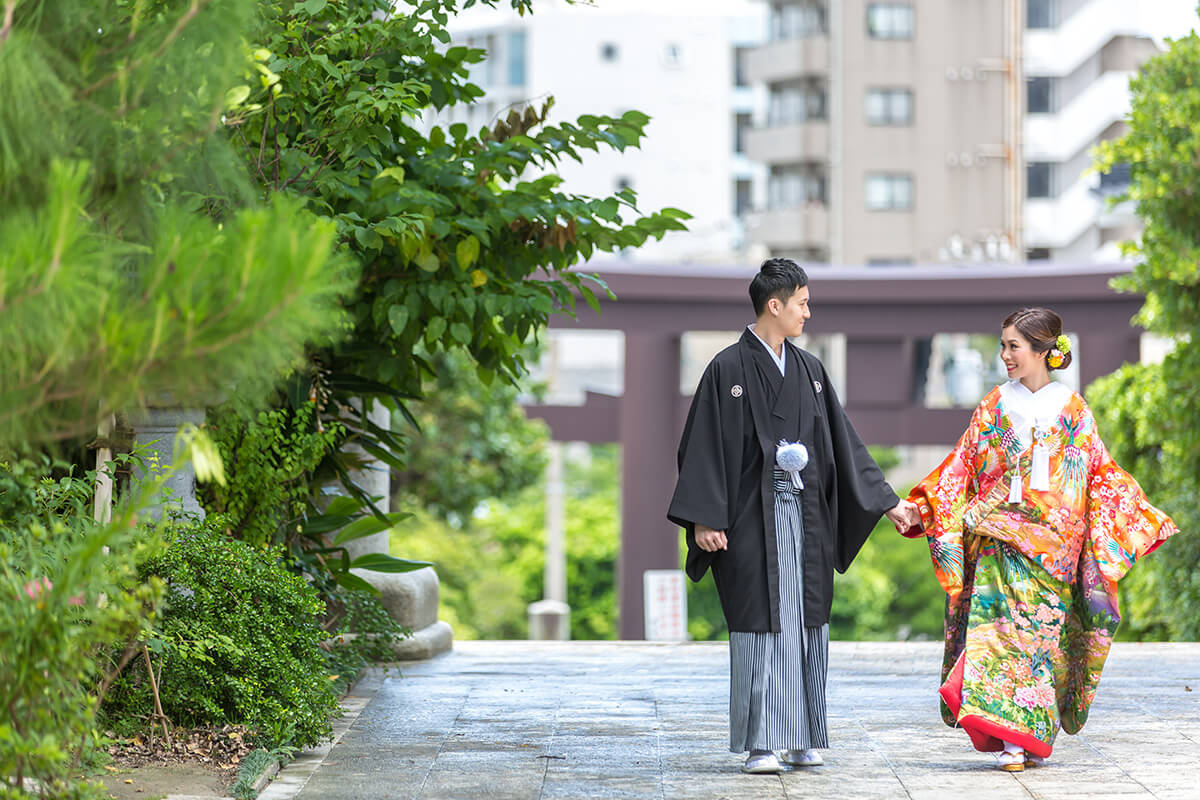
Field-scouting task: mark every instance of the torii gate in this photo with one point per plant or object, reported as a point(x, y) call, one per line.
point(882, 311)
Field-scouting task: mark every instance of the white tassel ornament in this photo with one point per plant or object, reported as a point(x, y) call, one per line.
point(792, 457)
point(1039, 474)
point(1014, 488)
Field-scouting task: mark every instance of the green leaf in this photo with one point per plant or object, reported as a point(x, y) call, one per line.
point(367, 526)
point(311, 7)
point(466, 252)
point(343, 505)
point(325, 523)
point(369, 239)
point(428, 261)
point(437, 327)
point(590, 297)
point(348, 580)
point(382, 562)
point(323, 60)
point(387, 181)
point(608, 210)
point(461, 333)
point(237, 95)
point(398, 318)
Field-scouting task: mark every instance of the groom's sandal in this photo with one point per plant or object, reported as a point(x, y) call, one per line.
point(1034, 761)
point(762, 764)
point(802, 758)
point(1012, 762)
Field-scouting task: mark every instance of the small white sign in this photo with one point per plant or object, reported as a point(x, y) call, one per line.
point(665, 605)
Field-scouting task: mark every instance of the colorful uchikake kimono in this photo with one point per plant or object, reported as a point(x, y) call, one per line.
point(1030, 525)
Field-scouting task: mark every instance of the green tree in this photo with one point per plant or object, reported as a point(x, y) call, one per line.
point(465, 239)
point(1150, 413)
point(474, 443)
point(116, 288)
point(113, 289)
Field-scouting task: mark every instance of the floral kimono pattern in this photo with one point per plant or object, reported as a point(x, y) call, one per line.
point(1031, 585)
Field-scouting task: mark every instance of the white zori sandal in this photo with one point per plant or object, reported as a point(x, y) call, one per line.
point(760, 763)
point(1010, 761)
point(802, 758)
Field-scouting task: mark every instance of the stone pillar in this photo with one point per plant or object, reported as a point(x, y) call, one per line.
point(411, 598)
point(376, 479)
point(156, 428)
point(649, 427)
point(550, 617)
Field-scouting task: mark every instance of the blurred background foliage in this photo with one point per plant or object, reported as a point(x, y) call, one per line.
point(490, 565)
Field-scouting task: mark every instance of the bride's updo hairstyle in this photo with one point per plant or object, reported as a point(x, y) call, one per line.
point(1042, 328)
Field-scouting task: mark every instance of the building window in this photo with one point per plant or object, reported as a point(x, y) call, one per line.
point(795, 187)
point(1039, 179)
point(789, 105)
point(608, 51)
point(743, 198)
point(516, 58)
point(889, 192)
point(672, 56)
point(1037, 254)
point(741, 125)
point(1040, 14)
point(1116, 181)
point(796, 20)
point(890, 20)
point(885, 261)
point(739, 66)
point(1039, 95)
point(624, 182)
point(889, 107)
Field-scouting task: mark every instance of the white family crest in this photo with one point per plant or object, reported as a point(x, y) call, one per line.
point(736, 391)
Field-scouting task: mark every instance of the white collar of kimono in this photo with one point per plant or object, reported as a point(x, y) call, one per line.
point(781, 359)
point(1026, 409)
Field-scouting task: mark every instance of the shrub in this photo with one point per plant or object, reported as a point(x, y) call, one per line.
point(238, 641)
point(67, 592)
point(374, 632)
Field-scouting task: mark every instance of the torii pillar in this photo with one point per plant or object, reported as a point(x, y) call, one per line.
point(649, 427)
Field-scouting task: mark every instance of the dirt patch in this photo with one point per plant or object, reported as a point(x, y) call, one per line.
point(159, 780)
point(202, 762)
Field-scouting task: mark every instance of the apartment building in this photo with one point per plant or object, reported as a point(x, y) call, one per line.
point(1079, 56)
point(674, 60)
point(891, 131)
point(942, 130)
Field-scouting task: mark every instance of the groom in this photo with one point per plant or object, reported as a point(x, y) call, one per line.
point(773, 538)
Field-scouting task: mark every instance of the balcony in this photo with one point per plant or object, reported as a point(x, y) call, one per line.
point(790, 228)
point(788, 59)
point(789, 144)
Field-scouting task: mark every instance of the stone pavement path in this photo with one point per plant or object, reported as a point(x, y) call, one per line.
point(528, 720)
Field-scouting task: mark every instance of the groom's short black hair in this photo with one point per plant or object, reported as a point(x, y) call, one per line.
point(777, 277)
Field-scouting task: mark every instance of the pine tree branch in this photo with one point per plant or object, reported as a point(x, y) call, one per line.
point(182, 23)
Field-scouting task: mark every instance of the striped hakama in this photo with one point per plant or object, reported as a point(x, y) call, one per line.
point(777, 680)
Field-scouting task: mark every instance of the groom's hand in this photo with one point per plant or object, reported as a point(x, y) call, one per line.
point(711, 540)
point(905, 515)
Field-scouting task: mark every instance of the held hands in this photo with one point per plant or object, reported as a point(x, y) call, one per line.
point(905, 516)
point(710, 540)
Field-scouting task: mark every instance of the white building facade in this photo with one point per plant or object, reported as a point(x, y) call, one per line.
point(1079, 56)
point(674, 60)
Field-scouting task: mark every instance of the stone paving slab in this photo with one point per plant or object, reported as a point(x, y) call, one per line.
point(639, 720)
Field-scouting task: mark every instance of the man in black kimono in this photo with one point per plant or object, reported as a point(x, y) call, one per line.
point(773, 538)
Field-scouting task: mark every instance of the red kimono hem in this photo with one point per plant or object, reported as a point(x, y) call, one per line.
point(986, 736)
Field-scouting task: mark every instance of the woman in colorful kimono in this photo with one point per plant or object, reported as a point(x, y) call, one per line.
point(1030, 524)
